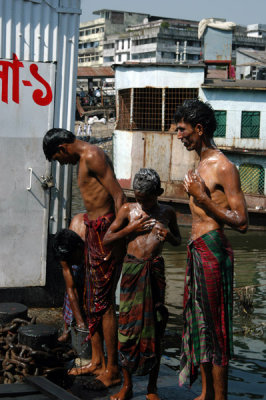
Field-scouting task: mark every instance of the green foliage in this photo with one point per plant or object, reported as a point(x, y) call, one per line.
point(165, 25)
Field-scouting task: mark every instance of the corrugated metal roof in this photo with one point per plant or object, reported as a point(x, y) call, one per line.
point(131, 64)
point(255, 54)
point(47, 31)
point(85, 72)
point(97, 12)
point(230, 84)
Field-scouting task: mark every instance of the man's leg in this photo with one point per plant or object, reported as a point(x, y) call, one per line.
point(125, 392)
point(111, 376)
point(97, 364)
point(220, 382)
point(159, 331)
point(207, 392)
point(65, 334)
point(152, 385)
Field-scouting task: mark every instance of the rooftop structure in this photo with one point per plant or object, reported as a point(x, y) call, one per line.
point(250, 64)
point(147, 97)
point(119, 36)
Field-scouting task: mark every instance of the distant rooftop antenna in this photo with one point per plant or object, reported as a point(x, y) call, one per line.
point(185, 51)
point(177, 52)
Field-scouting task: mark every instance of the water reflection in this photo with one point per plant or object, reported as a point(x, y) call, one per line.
point(247, 374)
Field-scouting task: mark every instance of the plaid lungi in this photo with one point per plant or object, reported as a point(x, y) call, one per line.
point(78, 276)
point(208, 305)
point(142, 314)
point(101, 275)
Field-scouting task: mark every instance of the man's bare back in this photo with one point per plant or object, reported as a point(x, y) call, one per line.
point(100, 191)
point(93, 165)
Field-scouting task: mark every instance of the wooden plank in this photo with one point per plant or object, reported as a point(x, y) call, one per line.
point(48, 387)
point(18, 388)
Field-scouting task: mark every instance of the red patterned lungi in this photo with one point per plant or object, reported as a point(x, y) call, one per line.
point(208, 305)
point(101, 275)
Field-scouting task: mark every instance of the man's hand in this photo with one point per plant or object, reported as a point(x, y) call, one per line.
point(161, 233)
point(195, 186)
point(143, 223)
point(81, 325)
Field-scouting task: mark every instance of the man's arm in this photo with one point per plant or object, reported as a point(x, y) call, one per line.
point(72, 293)
point(228, 178)
point(115, 231)
point(98, 164)
point(120, 227)
point(173, 234)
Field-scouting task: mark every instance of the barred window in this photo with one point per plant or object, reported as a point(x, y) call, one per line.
point(124, 109)
point(250, 124)
point(150, 109)
point(252, 178)
point(221, 124)
point(147, 109)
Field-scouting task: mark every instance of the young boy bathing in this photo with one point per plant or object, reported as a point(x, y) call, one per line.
point(68, 246)
point(147, 225)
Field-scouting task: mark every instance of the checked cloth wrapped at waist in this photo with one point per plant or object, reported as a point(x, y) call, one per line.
point(141, 312)
point(101, 274)
point(208, 305)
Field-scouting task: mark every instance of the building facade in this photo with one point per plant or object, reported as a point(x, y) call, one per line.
point(92, 34)
point(250, 64)
point(147, 96)
point(119, 36)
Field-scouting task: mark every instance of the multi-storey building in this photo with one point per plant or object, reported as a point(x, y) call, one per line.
point(93, 33)
point(119, 36)
point(160, 40)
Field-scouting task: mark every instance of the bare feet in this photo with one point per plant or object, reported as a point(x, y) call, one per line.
point(107, 379)
point(152, 396)
point(89, 369)
point(64, 337)
point(124, 394)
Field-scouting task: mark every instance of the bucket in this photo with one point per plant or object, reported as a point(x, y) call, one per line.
point(78, 337)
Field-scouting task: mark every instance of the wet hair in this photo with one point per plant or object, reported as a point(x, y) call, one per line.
point(197, 112)
point(147, 181)
point(53, 138)
point(65, 243)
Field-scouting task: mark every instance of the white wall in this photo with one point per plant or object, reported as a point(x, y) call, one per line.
point(158, 76)
point(234, 102)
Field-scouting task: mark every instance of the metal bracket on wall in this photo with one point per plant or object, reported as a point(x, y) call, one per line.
point(47, 182)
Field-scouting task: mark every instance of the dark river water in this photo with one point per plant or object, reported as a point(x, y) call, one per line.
point(247, 373)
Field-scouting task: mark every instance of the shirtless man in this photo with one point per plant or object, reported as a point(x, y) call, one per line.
point(68, 245)
point(216, 199)
point(143, 316)
point(102, 196)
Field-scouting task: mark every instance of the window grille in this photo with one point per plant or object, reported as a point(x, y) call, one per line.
point(221, 123)
point(173, 99)
point(152, 109)
point(252, 178)
point(147, 109)
point(250, 124)
point(124, 109)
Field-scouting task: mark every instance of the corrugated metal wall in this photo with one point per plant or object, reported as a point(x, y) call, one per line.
point(47, 31)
